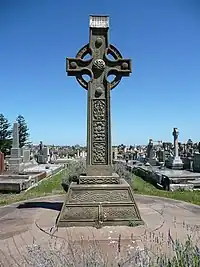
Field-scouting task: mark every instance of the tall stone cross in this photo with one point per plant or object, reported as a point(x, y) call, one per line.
point(99, 66)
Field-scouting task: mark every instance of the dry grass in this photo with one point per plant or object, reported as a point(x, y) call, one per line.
point(153, 249)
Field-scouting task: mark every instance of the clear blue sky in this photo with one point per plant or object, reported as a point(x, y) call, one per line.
point(161, 37)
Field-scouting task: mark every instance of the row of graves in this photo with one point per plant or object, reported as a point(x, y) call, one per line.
point(23, 169)
point(170, 166)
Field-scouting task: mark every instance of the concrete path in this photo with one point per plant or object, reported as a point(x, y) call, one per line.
point(32, 222)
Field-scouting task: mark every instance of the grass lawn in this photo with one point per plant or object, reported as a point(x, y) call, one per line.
point(142, 187)
point(52, 186)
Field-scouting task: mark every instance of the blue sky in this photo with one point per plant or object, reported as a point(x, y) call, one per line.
point(161, 37)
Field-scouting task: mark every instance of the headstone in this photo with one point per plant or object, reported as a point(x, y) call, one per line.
point(150, 149)
point(198, 147)
point(151, 154)
point(135, 157)
point(2, 164)
point(42, 157)
point(175, 162)
point(161, 155)
point(100, 198)
point(15, 160)
point(22, 150)
point(83, 154)
point(115, 153)
point(26, 155)
point(196, 162)
point(45, 153)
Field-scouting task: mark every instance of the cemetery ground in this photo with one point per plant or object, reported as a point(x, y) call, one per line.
point(52, 186)
point(28, 236)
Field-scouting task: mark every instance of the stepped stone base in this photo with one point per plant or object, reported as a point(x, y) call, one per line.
point(15, 165)
point(175, 163)
point(99, 205)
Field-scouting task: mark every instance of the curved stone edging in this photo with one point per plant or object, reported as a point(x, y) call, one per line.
point(27, 200)
point(139, 195)
point(169, 199)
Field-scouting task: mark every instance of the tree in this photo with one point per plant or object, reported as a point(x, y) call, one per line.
point(23, 131)
point(5, 135)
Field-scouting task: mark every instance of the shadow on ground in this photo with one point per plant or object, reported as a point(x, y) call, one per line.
point(44, 205)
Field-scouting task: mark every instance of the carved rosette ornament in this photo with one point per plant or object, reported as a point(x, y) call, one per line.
point(98, 67)
point(99, 64)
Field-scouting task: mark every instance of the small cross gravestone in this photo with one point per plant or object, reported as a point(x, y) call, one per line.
point(2, 164)
point(100, 197)
point(175, 162)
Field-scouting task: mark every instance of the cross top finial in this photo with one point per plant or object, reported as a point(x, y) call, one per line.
point(97, 21)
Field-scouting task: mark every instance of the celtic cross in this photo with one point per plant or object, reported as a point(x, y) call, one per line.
point(99, 66)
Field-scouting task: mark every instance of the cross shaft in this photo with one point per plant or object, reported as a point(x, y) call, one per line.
point(98, 67)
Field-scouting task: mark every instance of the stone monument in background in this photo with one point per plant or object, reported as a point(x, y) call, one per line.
point(15, 160)
point(175, 162)
point(43, 153)
point(100, 197)
point(2, 163)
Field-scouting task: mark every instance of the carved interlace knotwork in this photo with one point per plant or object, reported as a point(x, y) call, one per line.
point(120, 212)
point(71, 213)
point(99, 109)
point(101, 196)
point(99, 153)
point(99, 180)
point(99, 131)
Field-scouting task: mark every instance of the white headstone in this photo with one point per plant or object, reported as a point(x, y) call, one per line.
point(26, 155)
point(15, 160)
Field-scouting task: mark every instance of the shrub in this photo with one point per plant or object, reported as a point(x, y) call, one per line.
point(121, 170)
point(74, 170)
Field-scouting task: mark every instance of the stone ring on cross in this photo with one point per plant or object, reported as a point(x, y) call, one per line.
point(99, 66)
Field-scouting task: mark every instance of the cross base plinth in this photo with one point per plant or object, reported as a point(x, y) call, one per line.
point(175, 163)
point(101, 170)
point(112, 179)
point(99, 205)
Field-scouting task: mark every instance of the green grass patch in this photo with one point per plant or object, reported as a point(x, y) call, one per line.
point(49, 186)
point(142, 187)
point(52, 186)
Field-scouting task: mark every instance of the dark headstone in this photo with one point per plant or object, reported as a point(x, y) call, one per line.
point(2, 165)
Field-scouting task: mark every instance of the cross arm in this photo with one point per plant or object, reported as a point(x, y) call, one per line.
point(119, 67)
point(78, 66)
